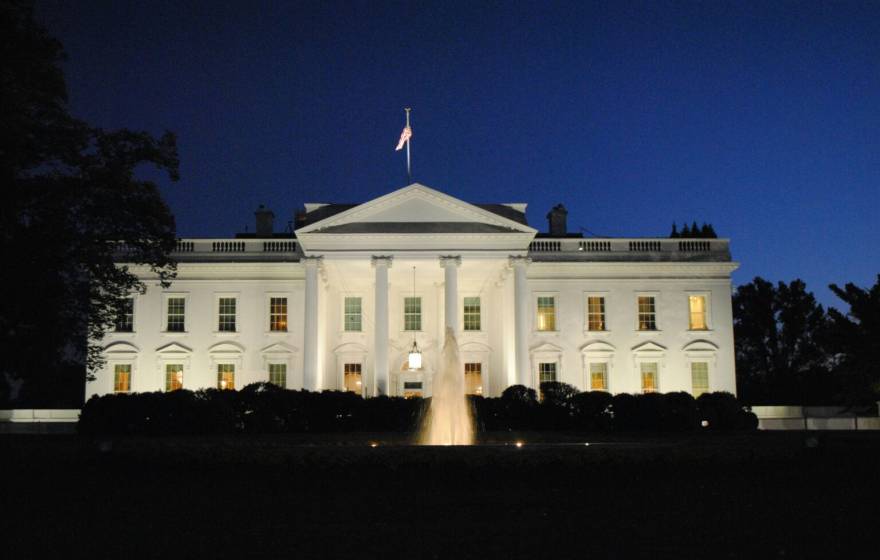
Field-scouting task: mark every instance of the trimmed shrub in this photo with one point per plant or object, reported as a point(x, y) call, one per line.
point(592, 410)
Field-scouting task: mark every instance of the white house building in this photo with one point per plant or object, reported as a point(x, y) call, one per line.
point(339, 302)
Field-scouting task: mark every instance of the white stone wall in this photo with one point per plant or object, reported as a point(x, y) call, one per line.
point(252, 347)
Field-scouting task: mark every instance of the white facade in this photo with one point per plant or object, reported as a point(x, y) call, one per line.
point(514, 283)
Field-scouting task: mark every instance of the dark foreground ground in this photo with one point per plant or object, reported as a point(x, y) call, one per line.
point(759, 495)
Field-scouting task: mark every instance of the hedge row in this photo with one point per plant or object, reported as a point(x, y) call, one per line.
point(265, 408)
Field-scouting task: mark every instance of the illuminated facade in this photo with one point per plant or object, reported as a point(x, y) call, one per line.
point(338, 303)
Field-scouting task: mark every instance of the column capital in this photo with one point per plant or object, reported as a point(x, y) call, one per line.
point(518, 260)
point(450, 260)
point(313, 261)
point(386, 260)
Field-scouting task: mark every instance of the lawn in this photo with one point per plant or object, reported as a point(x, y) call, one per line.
point(789, 495)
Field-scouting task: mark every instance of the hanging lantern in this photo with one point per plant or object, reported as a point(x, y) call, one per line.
point(415, 357)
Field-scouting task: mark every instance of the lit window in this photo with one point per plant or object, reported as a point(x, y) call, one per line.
point(226, 314)
point(472, 314)
point(649, 377)
point(700, 378)
point(122, 378)
point(546, 313)
point(647, 314)
point(176, 314)
point(125, 318)
point(596, 313)
point(353, 314)
point(412, 389)
point(278, 314)
point(546, 372)
point(226, 376)
point(278, 375)
point(173, 377)
point(353, 378)
point(473, 378)
point(598, 376)
point(697, 308)
point(412, 314)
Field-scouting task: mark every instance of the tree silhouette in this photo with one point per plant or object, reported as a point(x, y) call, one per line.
point(854, 338)
point(778, 334)
point(73, 201)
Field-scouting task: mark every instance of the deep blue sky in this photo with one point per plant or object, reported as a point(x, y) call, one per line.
point(762, 119)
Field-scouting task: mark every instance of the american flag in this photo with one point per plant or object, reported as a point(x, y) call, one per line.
point(404, 138)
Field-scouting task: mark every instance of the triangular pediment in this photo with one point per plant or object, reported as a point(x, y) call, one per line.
point(173, 348)
point(416, 209)
point(648, 348)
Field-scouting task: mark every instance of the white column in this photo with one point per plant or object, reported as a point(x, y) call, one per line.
point(450, 292)
point(310, 325)
point(380, 333)
point(521, 319)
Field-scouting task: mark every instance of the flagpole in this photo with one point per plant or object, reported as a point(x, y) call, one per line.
point(408, 142)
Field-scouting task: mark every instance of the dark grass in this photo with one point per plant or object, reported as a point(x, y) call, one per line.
point(703, 496)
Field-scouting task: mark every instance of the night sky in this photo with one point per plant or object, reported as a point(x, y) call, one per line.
point(762, 119)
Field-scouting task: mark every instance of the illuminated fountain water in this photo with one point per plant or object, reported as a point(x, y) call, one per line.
point(449, 420)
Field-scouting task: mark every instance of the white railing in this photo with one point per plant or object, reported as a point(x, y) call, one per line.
point(195, 247)
point(670, 246)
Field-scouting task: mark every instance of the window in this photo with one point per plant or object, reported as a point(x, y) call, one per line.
point(700, 378)
point(226, 376)
point(278, 314)
point(353, 314)
point(226, 314)
point(412, 314)
point(546, 372)
point(649, 377)
point(472, 314)
point(598, 376)
point(697, 313)
point(173, 377)
point(546, 313)
point(122, 378)
point(278, 375)
point(176, 314)
point(412, 389)
point(125, 318)
point(647, 314)
point(353, 378)
point(473, 378)
point(595, 313)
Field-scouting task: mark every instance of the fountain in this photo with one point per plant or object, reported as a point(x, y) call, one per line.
point(449, 420)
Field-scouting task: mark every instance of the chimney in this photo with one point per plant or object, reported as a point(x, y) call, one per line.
point(265, 221)
point(557, 219)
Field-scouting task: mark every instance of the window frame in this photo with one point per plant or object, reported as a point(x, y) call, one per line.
point(267, 313)
point(134, 314)
point(131, 371)
point(345, 314)
point(166, 297)
point(217, 317)
point(708, 365)
point(641, 372)
point(537, 296)
point(707, 311)
point(421, 324)
point(479, 368)
point(586, 314)
point(607, 376)
point(360, 365)
point(269, 366)
point(165, 366)
point(656, 298)
point(479, 313)
point(217, 365)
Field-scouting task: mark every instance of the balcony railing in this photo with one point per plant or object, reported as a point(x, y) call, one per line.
point(221, 249)
point(630, 249)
